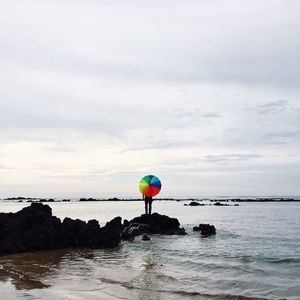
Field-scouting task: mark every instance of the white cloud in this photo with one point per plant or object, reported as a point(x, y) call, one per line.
point(96, 94)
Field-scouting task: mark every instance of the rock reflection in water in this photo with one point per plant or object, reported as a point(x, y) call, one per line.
point(30, 270)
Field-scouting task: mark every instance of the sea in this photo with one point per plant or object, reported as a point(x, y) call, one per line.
point(254, 255)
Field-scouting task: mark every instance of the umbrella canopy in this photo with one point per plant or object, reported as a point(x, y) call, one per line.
point(150, 185)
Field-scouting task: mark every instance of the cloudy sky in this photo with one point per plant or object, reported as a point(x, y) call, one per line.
point(94, 94)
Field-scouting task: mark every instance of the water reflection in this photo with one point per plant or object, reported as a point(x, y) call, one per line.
point(28, 270)
point(39, 270)
point(147, 283)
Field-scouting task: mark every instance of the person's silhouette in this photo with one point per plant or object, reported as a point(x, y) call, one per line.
point(148, 204)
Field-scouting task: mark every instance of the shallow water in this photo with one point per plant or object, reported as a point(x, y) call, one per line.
point(255, 254)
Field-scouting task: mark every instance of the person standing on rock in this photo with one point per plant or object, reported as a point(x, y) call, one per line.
point(148, 204)
point(149, 186)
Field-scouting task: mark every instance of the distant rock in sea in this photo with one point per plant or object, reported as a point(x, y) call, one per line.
point(194, 203)
point(19, 198)
point(88, 199)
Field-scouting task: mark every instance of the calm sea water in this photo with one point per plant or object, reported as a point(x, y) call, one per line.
point(255, 255)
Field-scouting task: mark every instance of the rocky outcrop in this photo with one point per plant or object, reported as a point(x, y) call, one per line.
point(155, 224)
point(194, 203)
point(221, 204)
point(34, 228)
point(205, 229)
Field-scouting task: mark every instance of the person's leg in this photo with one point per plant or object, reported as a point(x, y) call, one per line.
point(150, 207)
point(146, 207)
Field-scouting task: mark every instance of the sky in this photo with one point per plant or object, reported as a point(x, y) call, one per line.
point(95, 94)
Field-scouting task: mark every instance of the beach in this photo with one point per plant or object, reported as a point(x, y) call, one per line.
point(254, 255)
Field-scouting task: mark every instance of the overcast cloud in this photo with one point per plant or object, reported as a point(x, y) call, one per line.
point(96, 94)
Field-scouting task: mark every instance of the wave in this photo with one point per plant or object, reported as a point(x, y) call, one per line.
point(196, 294)
point(218, 296)
point(192, 294)
point(283, 260)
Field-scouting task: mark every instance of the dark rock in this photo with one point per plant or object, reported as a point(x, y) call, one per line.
point(133, 230)
point(18, 198)
point(34, 228)
point(113, 199)
point(196, 228)
point(45, 200)
point(130, 232)
point(158, 223)
point(89, 199)
point(221, 204)
point(194, 203)
point(145, 237)
point(93, 223)
point(114, 224)
point(153, 224)
point(180, 231)
point(125, 223)
point(207, 229)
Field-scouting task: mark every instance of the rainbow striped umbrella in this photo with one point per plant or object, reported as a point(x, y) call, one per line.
point(150, 185)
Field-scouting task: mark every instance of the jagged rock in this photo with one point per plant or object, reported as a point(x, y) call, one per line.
point(34, 228)
point(154, 223)
point(114, 224)
point(125, 223)
point(133, 230)
point(205, 229)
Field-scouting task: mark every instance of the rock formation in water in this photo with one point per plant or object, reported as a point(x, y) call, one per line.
point(35, 228)
point(194, 203)
point(205, 229)
point(155, 223)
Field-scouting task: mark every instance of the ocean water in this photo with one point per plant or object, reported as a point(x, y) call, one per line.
point(254, 255)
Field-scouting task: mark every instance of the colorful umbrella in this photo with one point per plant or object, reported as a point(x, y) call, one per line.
point(150, 185)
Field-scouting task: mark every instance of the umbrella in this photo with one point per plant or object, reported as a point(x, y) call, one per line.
point(150, 185)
